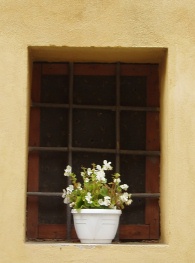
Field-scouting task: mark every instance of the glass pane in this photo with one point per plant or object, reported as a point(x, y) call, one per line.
point(133, 91)
point(54, 89)
point(52, 210)
point(54, 127)
point(132, 169)
point(135, 213)
point(94, 129)
point(133, 130)
point(133, 174)
point(51, 170)
point(94, 90)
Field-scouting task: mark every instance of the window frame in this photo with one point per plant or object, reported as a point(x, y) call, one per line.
point(150, 230)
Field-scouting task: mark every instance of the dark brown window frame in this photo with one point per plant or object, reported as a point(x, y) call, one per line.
point(150, 230)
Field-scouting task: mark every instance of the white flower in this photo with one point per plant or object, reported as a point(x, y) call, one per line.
point(64, 193)
point(69, 189)
point(100, 176)
point(107, 165)
point(98, 167)
point(72, 204)
point(129, 202)
point(89, 171)
point(66, 200)
point(68, 170)
point(88, 198)
point(105, 202)
point(82, 174)
point(117, 180)
point(86, 180)
point(79, 186)
point(124, 187)
point(124, 197)
point(101, 202)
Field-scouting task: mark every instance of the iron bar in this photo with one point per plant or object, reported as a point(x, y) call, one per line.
point(56, 194)
point(117, 117)
point(117, 124)
point(95, 107)
point(48, 149)
point(49, 105)
point(78, 149)
point(68, 210)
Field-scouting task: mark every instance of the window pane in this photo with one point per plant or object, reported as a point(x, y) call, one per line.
point(51, 179)
point(135, 213)
point(93, 128)
point(132, 168)
point(94, 90)
point(52, 210)
point(133, 91)
point(54, 123)
point(54, 89)
point(133, 130)
point(133, 173)
point(51, 170)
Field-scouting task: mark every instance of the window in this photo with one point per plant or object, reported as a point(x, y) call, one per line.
point(83, 113)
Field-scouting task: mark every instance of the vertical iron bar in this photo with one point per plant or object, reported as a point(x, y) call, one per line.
point(117, 117)
point(68, 226)
point(117, 127)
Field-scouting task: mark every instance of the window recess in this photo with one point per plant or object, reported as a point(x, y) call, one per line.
point(87, 112)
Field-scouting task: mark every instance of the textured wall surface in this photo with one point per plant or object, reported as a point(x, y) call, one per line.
point(109, 30)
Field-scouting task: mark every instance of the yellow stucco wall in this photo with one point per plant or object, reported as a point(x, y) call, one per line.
point(111, 30)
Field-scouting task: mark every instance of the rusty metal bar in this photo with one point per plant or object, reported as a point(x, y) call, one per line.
point(78, 149)
point(56, 194)
point(95, 107)
point(68, 210)
point(117, 117)
point(117, 128)
point(49, 105)
point(48, 149)
point(145, 195)
point(44, 193)
point(70, 115)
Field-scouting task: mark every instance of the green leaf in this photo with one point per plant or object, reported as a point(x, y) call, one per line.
point(104, 191)
point(79, 202)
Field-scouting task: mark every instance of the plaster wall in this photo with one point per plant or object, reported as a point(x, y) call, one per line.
point(132, 31)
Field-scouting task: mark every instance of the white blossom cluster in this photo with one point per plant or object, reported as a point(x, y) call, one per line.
point(96, 192)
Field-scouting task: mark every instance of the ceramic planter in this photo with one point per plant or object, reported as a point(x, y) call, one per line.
point(96, 226)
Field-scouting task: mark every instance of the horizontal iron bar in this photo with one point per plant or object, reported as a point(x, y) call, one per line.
point(49, 149)
point(98, 107)
point(136, 195)
point(77, 149)
point(49, 105)
point(146, 195)
point(45, 193)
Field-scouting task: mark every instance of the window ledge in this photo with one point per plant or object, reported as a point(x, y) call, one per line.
point(63, 244)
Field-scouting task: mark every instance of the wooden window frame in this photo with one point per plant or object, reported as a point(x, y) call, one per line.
point(148, 231)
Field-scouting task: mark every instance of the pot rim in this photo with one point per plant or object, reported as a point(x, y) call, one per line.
point(96, 211)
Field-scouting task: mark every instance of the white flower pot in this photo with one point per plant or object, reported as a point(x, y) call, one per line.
point(96, 226)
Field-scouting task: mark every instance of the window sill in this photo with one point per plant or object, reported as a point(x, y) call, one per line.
point(68, 244)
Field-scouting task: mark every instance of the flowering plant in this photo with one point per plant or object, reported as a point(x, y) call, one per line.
point(96, 192)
